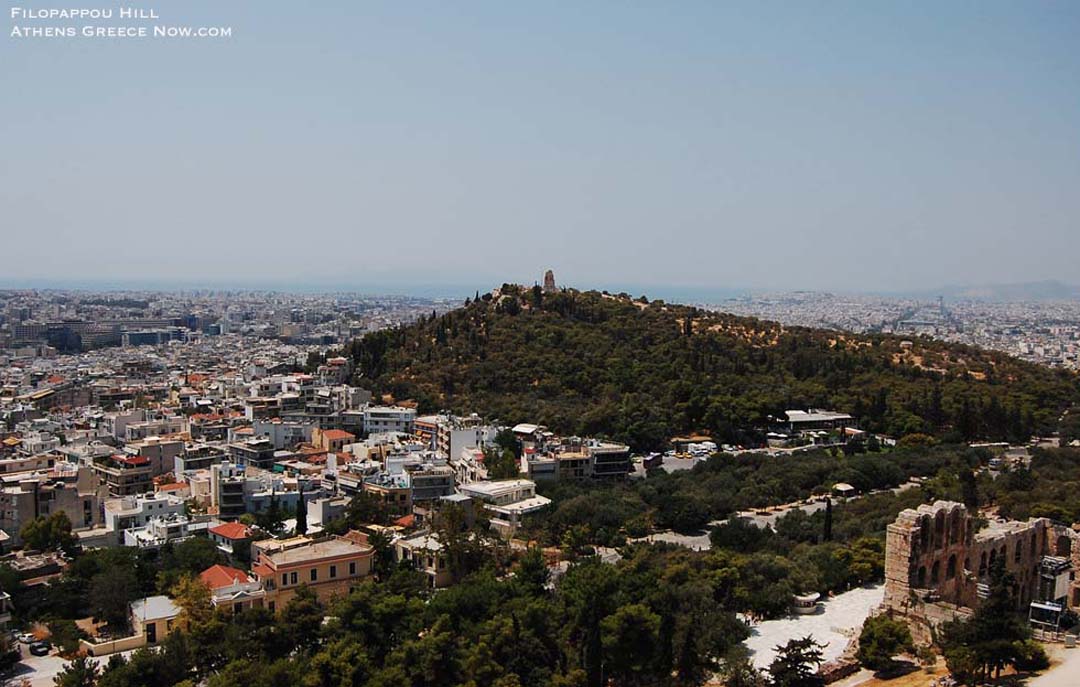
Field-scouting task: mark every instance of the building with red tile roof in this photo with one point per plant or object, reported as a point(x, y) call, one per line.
point(233, 588)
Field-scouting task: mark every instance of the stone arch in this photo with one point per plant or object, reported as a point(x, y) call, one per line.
point(950, 568)
point(924, 533)
point(939, 529)
point(920, 578)
point(956, 525)
point(935, 573)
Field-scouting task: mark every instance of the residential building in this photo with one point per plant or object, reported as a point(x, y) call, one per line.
point(137, 510)
point(162, 530)
point(394, 490)
point(75, 491)
point(125, 475)
point(508, 502)
point(233, 538)
point(333, 440)
point(389, 419)
point(330, 566)
point(154, 618)
point(232, 588)
point(425, 552)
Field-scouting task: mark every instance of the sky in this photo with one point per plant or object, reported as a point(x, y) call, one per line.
point(853, 146)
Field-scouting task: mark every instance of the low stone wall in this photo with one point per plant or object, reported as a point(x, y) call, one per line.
point(838, 670)
point(113, 645)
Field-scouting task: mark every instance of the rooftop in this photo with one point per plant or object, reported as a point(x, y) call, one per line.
point(231, 530)
point(154, 607)
point(328, 548)
point(218, 576)
point(498, 488)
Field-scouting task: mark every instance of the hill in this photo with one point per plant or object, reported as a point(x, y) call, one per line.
point(639, 371)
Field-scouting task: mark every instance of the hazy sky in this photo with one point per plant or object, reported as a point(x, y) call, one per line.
point(840, 145)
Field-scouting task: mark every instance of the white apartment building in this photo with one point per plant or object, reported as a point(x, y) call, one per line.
point(507, 500)
point(136, 511)
point(389, 419)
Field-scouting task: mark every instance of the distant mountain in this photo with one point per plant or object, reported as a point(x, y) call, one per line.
point(1050, 290)
point(640, 371)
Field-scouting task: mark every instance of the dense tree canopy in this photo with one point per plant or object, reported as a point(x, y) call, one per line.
point(596, 364)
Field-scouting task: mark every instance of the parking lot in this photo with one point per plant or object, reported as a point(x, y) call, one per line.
point(39, 670)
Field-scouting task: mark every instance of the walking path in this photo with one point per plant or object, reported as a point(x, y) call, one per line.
point(834, 626)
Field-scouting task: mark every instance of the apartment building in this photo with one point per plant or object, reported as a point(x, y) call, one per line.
point(137, 510)
point(162, 453)
point(508, 502)
point(137, 431)
point(162, 530)
point(76, 492)
point(468, 465)
point(125, 475)
point(389, 419)
point(431, 481)
point(394, 490)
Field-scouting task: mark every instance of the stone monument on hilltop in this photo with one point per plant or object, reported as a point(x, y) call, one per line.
point(549, 282)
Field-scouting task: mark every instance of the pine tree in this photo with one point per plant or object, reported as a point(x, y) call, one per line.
point(969, 490)
point(796, 664)
point(301, 513)
point(81, 672)
point(827, 534)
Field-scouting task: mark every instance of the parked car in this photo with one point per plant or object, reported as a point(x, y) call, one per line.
point(40, 648)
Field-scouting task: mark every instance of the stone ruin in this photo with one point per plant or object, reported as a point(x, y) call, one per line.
point(937, 565)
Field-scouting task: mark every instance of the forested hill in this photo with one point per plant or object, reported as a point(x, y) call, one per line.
point(639, 371)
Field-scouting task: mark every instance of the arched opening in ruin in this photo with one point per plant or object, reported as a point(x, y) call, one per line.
point(955, 525)
point(950, 569)
point(1063, 547)
point(920, 578)
point(935, 573)
point(939, 530)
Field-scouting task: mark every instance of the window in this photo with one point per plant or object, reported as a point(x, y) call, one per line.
point(284, 579)
point(333, 571)
point(352, 568)
point(314, 574)
point(292, 577)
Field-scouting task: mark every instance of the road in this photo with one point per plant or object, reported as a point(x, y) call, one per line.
point(39, 671)
point(1065, 671)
